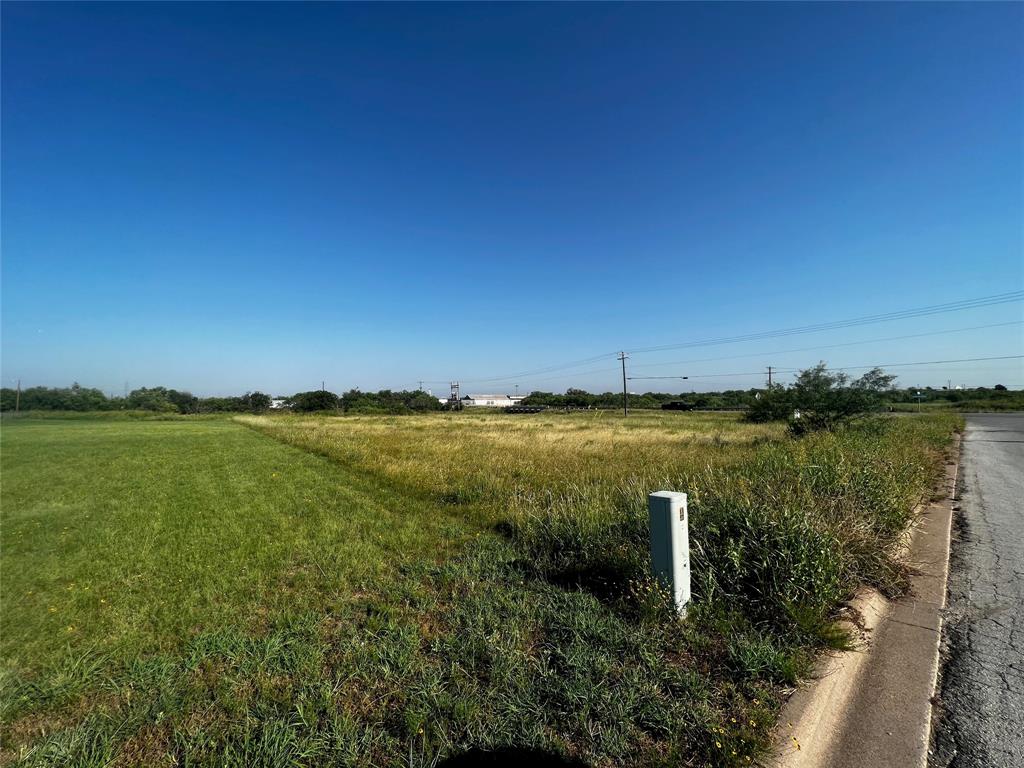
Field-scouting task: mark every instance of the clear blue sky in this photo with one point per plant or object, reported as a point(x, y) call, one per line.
point(231, 197)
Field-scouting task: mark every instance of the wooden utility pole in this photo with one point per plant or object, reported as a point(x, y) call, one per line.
point(17, 398)
point(769, 377)
point(625, 394)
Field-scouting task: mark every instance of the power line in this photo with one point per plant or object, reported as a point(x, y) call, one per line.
point(571, 375)
point(934, 309)
point(574, 374)
point(547, 369)
point(702, 375)
point(763, 354)
point(831, 346)
point(526, 374)
point(922, 362)
point(645, 378)
point(955, 306)
point(845, 368)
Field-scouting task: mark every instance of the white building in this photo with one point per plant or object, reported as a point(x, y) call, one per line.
point(277, 402)
point(492, 401)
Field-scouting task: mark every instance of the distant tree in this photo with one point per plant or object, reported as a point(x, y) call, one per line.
point(73, 398)
point(822, 399)
point(774, 404)
point(423, 401)
point(316, 400)
point(86, 398)
point(544, 398)
point(185, 402)
point(220, 404)
point(578, 398)
point(999, 387)
point(388, 401)
point(256, 402)
point(151, 399)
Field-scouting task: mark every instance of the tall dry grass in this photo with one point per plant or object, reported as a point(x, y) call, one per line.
point(472, 458)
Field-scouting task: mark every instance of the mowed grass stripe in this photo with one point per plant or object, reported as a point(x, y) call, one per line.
point(130, 536)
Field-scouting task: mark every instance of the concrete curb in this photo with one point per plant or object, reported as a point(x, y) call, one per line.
point(872, 706)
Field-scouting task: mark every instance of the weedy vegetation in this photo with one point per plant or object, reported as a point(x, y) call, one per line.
point(361, 590)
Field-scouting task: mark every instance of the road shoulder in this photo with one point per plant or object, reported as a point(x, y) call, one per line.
point(872, 706)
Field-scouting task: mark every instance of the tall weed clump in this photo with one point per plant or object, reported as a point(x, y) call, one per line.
point(782, 537)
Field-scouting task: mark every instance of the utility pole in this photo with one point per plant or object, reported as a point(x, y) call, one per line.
point(17, 398)
point(623, 357)
point(421, 385)
point(323, 386)
point(769, 377)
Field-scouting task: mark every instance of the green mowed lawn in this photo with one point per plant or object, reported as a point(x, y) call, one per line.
point(129, 536)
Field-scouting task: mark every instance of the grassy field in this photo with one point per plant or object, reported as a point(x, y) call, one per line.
point(133, 536)
point(391, 590)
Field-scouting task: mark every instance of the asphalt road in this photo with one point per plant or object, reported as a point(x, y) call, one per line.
point(979, 718)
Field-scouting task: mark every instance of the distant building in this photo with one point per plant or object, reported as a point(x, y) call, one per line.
point(278, 402)
point(492, 401)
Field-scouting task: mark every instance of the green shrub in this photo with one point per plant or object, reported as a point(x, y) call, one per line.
point(316, 400)
point(821, 400)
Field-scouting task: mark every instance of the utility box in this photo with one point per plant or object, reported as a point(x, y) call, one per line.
point(670, 545)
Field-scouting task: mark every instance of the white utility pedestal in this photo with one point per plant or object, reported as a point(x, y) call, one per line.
point(670, 545)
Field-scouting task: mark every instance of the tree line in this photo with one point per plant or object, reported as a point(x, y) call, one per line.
point(165, 400)
point(356, 401)
point(811, 389)
point(579, 398)
point(156, 399)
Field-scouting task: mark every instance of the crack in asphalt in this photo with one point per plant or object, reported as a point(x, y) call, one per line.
point(979, 710)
